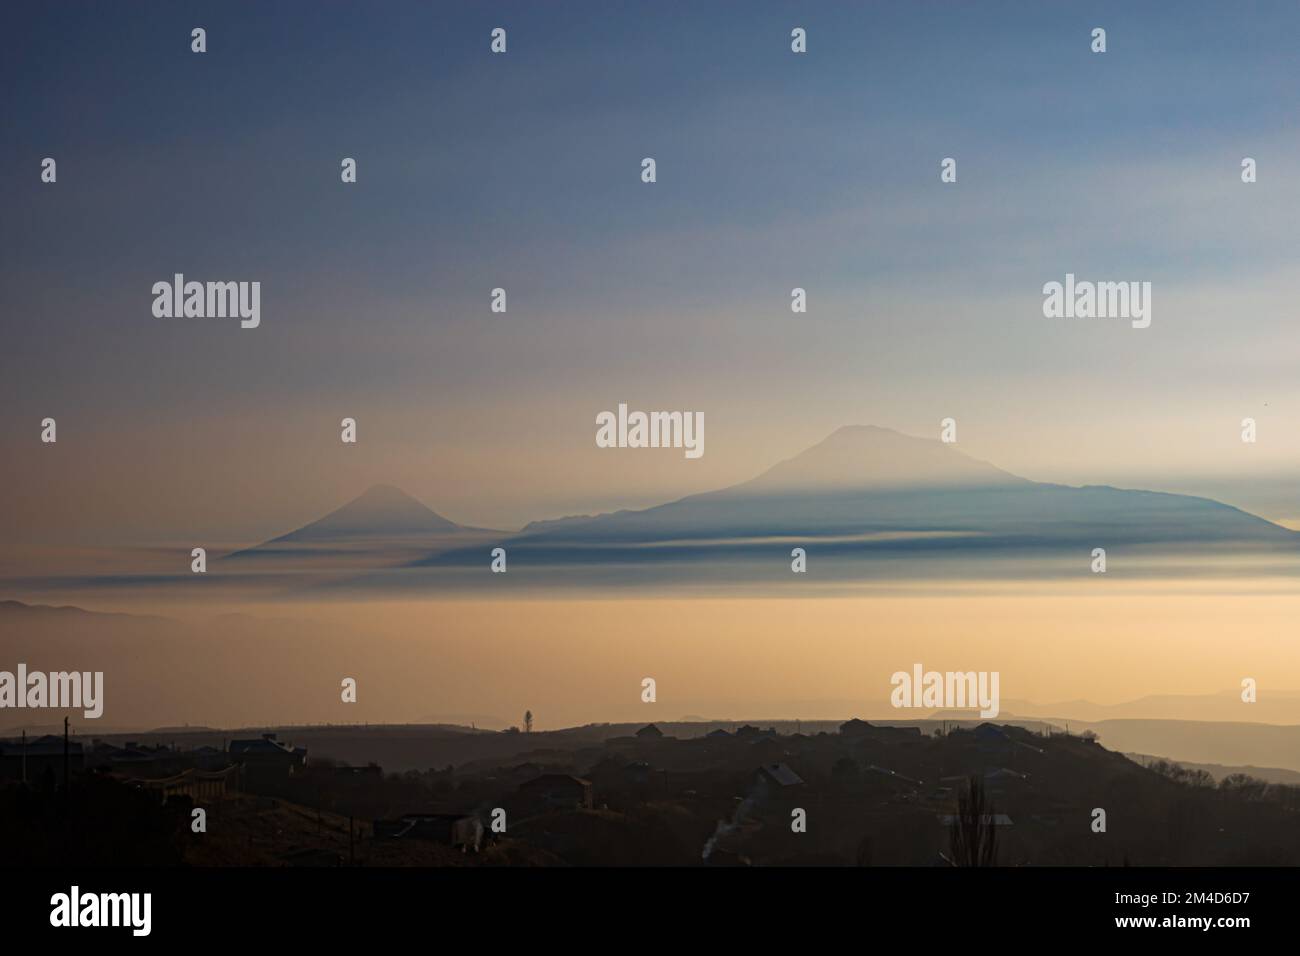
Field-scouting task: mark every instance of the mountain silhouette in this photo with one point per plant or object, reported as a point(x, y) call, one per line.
point(382, 519)
point(873, 491)
point(381, 511)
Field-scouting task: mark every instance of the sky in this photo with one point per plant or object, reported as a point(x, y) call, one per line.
point(522, 171)
point(574, 662)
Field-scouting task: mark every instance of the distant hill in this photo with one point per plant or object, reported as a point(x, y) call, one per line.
point(1202, 742)
point(1277, 707)
point(17, 610)
point(1230, 743)
point(1218, 771)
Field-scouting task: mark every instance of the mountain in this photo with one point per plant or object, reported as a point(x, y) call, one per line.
point(855, 457)
point(874, 493)
point(382, 523)
point(382, 511)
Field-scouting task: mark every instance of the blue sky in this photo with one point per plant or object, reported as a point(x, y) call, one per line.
point(775, 170)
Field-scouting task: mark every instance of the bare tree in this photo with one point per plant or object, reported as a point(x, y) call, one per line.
point(973, 835)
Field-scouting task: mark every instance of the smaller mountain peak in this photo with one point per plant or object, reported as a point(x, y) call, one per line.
point(380, 510)
point(384, 493)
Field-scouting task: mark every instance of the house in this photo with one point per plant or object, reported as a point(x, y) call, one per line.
point(1001, 775)
point(558, 791)
point(991, 739)
point(267, 762)
point(855, 728)
point(142, 760)
point(993, 776)
point(862, 729)
point(776, 777)
point(129, 755)
point(990, 732)
point(900, 733)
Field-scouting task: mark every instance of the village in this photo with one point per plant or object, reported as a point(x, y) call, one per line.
point(854, 793)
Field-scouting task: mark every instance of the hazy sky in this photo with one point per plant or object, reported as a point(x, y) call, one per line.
point(522, 171)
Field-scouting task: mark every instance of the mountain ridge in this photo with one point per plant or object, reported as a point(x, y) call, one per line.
point(867, 481)
point(863, 490)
